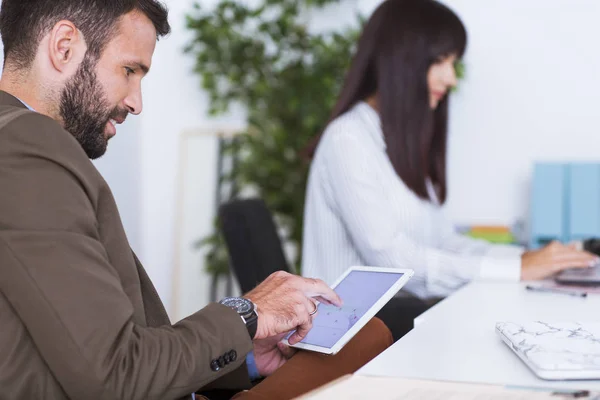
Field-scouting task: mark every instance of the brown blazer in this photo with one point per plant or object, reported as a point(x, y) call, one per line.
point(79, 317)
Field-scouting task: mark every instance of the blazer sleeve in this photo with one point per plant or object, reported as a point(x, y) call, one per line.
point(58, 277)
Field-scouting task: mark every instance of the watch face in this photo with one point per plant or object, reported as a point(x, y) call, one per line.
point(242, 306)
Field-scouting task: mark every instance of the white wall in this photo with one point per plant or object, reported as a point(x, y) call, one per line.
point(532, 93)
point(121, 168)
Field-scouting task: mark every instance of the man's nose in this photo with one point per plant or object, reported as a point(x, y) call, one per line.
point(134, 103)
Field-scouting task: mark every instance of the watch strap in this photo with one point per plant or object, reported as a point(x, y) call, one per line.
point(251, 321)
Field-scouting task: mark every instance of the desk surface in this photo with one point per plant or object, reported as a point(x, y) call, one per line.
point(456, 339)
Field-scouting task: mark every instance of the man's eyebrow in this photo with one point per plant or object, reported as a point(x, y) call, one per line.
point(145, 69)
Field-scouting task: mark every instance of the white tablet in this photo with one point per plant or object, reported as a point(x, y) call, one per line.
point(364, 291)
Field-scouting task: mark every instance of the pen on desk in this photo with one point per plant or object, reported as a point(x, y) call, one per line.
point(573, 395)
point(556, 290)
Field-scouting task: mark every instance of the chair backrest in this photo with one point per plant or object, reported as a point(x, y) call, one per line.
point(254, 246)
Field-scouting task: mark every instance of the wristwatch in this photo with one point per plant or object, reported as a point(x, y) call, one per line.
point(245, 309)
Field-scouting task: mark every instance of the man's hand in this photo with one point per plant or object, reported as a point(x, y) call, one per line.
point(555, 257)
point(284, 303)
point(270, 354)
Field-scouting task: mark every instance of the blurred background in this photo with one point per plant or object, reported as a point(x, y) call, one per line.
point(530, 93)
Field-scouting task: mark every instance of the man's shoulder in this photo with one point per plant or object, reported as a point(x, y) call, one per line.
point(49, 172)
point(10, 114)
point(24, 129)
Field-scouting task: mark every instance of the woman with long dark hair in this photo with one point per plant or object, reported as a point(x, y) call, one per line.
point(378, 178)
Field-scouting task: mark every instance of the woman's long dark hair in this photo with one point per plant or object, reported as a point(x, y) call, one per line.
point(401, 40)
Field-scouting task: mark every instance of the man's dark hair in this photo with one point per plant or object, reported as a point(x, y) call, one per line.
point(23, 23)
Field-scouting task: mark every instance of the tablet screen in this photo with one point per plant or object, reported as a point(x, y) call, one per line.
point(359, 291)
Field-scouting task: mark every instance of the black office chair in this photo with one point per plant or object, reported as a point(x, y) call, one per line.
point(254, 247)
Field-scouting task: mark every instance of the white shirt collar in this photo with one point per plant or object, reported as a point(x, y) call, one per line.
point(25, 104)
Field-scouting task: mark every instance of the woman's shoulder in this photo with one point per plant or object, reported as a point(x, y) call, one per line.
point(352, 127)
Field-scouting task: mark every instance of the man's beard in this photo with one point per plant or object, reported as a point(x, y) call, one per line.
point(85, 109)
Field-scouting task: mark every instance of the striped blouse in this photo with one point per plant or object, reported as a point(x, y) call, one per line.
point(359, 212)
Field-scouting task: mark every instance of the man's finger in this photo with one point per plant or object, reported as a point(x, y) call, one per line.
point(318, 288)
point(302, 330)
point(321, 300)
point(310, 304)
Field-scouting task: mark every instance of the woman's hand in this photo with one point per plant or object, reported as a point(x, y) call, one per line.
point(555, 257)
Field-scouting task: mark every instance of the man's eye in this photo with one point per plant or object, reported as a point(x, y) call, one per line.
point(129, 71)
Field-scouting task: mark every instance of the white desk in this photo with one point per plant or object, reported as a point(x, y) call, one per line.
point(456, 339)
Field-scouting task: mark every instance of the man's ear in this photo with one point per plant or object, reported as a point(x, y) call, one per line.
point(67, 46)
